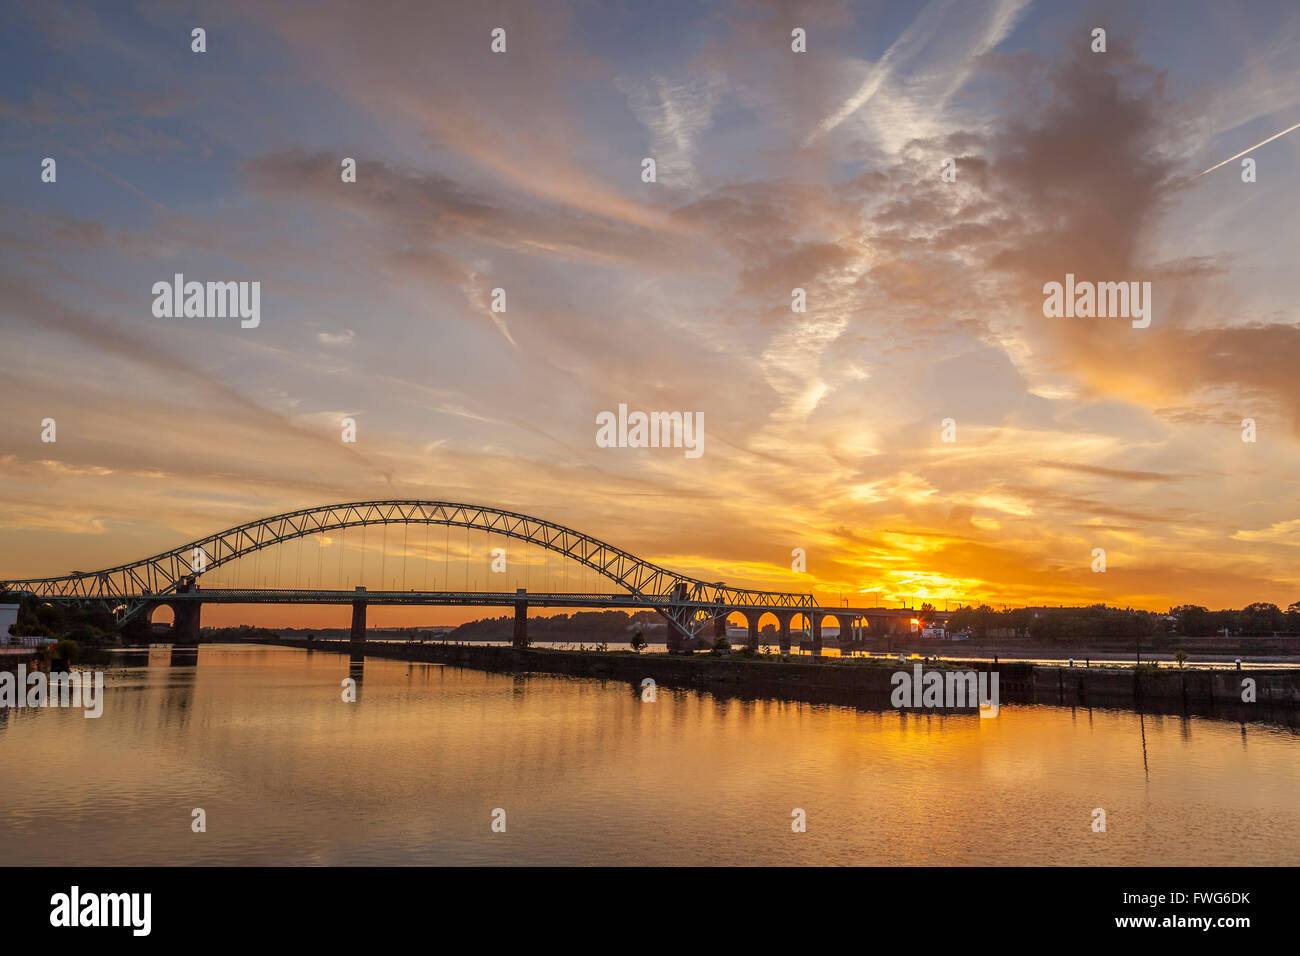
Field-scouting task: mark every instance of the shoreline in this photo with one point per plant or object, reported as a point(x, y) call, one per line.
point(866, 682)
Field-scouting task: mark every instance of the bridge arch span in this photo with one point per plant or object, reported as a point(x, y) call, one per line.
point(142, 582)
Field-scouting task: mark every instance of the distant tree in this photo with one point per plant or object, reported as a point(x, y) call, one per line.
point(985, 618)
point(1225, 620)
point(1262, 618)
point(1019, 619)
point(1180, 657)
point(639, 641)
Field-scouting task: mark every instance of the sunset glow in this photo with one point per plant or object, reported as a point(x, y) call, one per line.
point(924, 297)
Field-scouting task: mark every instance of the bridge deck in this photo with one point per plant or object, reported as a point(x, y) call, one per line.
point(465, 598)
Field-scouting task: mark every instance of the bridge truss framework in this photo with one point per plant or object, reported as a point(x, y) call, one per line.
point(688, 603)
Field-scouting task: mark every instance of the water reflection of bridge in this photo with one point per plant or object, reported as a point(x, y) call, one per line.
point(690, 606)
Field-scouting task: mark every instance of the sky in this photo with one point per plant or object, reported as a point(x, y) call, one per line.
point(819, 170)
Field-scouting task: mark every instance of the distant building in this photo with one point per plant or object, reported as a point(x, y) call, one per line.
point(8, 617)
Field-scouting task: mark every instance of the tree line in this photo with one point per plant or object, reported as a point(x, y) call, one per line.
point(1053, 624)
point(612, 627)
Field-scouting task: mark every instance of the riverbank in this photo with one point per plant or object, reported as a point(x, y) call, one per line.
point(1198, 650)
point(867, 682)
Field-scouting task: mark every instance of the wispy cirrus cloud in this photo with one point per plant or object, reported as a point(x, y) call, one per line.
point(777, 170)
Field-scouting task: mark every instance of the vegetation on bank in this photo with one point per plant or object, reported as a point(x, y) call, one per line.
point(244, 632)
point(1079, 625)
point(1068, 626)
point(587, 627)
point(77, 630)
point(89, 625)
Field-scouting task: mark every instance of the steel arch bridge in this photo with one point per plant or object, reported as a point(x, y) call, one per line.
point(687, 602)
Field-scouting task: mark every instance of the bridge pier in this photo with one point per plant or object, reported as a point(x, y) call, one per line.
point(783, 618)
point(520, 638)
point(185, 615)
point(359, 619)
point(185, 622)
point(848, 630)
point(817, 634)
point(883, 624)
point(751, 639)
point(677, 640)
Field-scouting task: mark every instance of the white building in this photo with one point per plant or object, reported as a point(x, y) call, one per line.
point(8, 616)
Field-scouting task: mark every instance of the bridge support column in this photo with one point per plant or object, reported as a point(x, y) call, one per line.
point(817, 634)
point(185, 615)
point(689, 643)
point(877, 627)
point(848, 631)
point(359, 619)
point(520, 638)
point(783, 619)
point(677, 639)
point(751, 639)
point(185, 622)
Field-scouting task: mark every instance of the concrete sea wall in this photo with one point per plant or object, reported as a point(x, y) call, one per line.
point(867, 682)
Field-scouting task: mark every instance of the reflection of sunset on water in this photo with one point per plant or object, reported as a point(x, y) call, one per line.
point(589, 773)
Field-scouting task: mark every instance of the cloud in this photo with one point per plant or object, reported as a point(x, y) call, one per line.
point(817, 171)
point(675, 114)
point(1109, 472)
point(345, 337)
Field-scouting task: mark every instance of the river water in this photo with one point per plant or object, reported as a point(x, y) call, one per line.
point(587, 772)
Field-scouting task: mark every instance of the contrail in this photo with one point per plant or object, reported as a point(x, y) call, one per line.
point(1245, 151)
point(917, 34)
point(119, 181)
